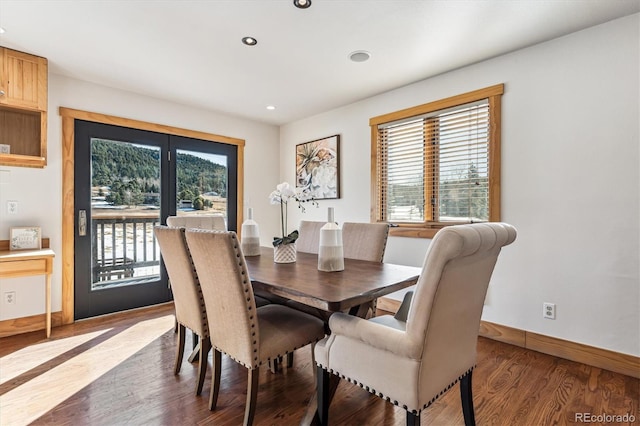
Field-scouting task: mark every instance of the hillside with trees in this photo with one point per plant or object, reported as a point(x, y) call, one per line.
point(132, 174)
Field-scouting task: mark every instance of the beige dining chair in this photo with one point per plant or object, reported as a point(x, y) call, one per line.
point(415, 362)
point(205, 221)
point(187, 296)
point(249, 335)
point(309, 239)
point(365, 241)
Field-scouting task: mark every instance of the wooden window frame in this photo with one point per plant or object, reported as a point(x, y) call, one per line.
point(428, 229)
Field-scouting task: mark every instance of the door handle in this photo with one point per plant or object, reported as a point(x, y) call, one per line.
point(82, 223)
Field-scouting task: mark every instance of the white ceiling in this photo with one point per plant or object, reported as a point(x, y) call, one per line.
point(189, 51)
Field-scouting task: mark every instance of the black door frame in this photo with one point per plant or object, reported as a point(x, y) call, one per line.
point(91, 303)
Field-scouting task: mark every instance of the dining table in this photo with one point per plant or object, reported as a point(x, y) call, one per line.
point(353, 290)
point(360, 283)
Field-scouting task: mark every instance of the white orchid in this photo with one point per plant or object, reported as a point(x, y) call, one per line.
point(282, 195)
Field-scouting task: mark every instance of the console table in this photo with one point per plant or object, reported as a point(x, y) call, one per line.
point(23, 263)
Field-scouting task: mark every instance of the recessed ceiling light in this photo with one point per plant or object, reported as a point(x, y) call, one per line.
point(249, 41)
point(271, 107)
point(2, 30)
point(302, 4)
point(359, 56)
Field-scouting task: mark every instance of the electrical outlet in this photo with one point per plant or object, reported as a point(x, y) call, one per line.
point(549, 310)
point(12, 207)
point(10, 297)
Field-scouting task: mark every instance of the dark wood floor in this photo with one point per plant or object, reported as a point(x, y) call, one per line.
point(117, 370)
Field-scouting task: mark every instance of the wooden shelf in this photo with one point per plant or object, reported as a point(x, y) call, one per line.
point(23, 108)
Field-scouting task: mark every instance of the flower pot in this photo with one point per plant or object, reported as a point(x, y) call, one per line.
point(284, 253)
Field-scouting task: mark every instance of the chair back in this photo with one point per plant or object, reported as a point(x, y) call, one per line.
point(187, 295)
point(207, 221)
point(228, 295)
point(309, 239)
point(444, 317)
point(365, 241)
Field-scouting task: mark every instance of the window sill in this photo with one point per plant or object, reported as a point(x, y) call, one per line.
point(413, 232)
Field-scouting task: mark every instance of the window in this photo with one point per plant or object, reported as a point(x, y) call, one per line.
point(438, 164)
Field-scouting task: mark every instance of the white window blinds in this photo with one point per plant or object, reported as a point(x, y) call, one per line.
point(435, 167)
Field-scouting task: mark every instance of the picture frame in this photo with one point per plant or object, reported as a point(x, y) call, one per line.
point(318, 167)
point(25, 238)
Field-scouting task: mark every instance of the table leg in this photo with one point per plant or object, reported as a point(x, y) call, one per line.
point(195, 355)
point(48, 303)
point(361, 310)
point(311, 415)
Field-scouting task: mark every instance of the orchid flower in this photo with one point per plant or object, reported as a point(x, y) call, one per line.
point(282, 195)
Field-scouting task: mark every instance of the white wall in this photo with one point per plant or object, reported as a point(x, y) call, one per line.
point(39, 191)
point(570, 181)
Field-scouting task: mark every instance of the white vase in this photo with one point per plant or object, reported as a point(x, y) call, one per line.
point(284, 253)
point(250, 236)
point(331, 251)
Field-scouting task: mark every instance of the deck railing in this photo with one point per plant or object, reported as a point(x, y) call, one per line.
point(124, 247)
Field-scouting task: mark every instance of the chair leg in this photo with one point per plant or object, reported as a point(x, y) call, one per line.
point(252, 395)
point(205, 346)
point(179, 348)
point(195, 340)
point(274, 365)
point(215, 379)
point(290, 360)
point(313, 362)
point(323, 395)
point(413, 419)
point(466, 395)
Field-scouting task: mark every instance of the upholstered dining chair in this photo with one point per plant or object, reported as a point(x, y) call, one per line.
point(309, 239)
point(365, 241)
point(187, 296)
point(204, 221)
point(249, 335)
point(413, 363)
point(207, 221)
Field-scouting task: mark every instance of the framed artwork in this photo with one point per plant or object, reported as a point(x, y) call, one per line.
point(24, 238)
point(318, 167)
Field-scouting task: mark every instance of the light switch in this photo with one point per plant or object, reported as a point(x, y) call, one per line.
point(12, 207)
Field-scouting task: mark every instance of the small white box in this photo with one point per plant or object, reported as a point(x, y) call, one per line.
point(5, 149)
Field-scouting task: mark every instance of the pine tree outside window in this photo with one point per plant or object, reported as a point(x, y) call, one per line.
point(438, 164)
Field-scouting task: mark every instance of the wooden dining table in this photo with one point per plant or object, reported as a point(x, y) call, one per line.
point(360, 283)
point(354, 289)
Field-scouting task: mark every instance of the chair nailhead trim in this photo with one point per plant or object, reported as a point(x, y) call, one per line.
point(373, 391)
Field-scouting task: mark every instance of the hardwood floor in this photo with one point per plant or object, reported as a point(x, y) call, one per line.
point(117, 370)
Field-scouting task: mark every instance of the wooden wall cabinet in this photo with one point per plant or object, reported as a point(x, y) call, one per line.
point(23, 108)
